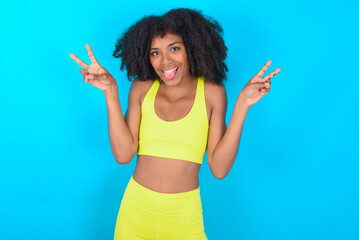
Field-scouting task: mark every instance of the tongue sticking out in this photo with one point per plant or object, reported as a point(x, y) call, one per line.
point(171, 74)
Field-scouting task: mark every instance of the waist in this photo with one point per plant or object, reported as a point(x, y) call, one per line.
point(172, 149)
point(169, 204)
point(166, 175)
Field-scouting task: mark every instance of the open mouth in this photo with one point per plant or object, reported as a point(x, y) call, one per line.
point(169, 74)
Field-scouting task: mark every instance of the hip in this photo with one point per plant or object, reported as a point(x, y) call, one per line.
point(182, 203)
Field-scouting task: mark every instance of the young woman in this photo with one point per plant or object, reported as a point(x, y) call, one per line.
point(176, 111)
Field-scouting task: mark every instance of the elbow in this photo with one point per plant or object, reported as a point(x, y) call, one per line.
point(220, 176)
point(122, 161)
point(124, 157)
point(217, 171)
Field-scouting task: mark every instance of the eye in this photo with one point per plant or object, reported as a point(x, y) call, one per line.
point(154, 53)
point(175, 49)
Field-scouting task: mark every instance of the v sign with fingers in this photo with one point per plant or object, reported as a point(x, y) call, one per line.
point(257, 87)
point(95, 74)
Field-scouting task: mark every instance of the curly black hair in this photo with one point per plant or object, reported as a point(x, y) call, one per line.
point(202, 38)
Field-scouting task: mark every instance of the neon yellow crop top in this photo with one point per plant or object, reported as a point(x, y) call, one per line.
point(183, 139)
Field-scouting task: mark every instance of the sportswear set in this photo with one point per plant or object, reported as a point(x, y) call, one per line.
point(147, 214)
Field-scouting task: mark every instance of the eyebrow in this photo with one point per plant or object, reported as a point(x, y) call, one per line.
point(169, 45)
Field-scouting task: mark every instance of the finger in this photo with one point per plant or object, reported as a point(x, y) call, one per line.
point(91, 78)
point(84, 74)
point(83, 71)
point(272, 74)
point(264, 91)
point(91, 55)
point(268, 83)
point(97, 76)
point(264, 69)
point(259, 85)
point(79, 61)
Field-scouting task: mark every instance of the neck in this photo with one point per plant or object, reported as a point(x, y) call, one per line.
point(187, 83)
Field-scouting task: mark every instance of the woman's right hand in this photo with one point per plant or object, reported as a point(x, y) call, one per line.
point(95, 74)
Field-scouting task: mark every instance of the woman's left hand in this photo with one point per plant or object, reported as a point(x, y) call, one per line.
point(257, 87)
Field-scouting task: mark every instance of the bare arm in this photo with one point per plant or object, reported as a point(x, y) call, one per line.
point(123, 132)
point(223, 143)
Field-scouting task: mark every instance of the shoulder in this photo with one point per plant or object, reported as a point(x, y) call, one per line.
point(215, 94)
point(139, 88)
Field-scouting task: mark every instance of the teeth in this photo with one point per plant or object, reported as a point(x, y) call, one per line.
point(170, 70)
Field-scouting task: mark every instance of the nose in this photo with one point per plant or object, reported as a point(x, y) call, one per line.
point(166, 59)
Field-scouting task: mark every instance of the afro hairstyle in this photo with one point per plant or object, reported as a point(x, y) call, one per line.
point(201, 35)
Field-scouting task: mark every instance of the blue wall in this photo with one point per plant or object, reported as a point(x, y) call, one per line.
point(296, 173)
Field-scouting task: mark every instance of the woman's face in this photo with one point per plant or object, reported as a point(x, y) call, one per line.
point(169, 58)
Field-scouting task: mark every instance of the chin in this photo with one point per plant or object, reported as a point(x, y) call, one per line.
point(172, 82)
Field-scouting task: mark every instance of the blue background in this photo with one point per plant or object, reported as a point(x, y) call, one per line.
point(296, 172)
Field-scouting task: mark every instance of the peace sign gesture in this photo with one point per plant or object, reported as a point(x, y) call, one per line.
point(257, 87)
point(95, 74)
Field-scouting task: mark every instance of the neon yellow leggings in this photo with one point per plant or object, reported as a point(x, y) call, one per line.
point(147, 214)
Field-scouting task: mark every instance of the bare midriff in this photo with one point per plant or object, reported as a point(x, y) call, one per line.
point(166, 175)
